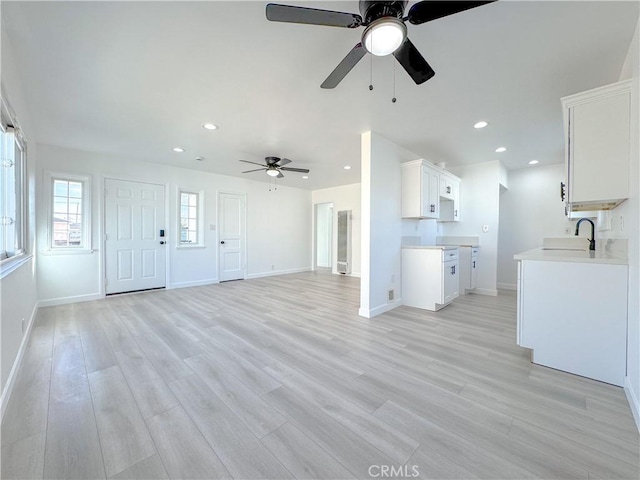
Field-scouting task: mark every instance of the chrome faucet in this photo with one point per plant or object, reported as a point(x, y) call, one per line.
point(592, 240)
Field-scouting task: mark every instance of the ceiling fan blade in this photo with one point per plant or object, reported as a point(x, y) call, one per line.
point(344, 67)
point(283, 161)
point(280, 175)
point(256, 170)
point(312, 16)
point(428, 10)
point(413, 62)
point(254, 163)
point(300, 170)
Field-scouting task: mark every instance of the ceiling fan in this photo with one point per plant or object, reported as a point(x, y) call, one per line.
point(273, 167)
point(385, 31)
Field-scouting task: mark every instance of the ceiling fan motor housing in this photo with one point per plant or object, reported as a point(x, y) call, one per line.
point(271, 160)
point(372, 10)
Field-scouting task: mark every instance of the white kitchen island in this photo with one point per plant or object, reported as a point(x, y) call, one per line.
point(572, 311)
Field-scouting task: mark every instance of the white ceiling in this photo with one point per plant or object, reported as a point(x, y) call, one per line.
point(136, 79)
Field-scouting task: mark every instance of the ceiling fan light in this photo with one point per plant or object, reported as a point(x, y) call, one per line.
point(384, 36)
point(273, 172)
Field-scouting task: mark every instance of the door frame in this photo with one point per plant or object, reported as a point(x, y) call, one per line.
point(244, 231)
point(315, 235)
point(102, 227)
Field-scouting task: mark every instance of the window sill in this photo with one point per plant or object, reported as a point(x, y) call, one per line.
point(189, 247)
point(11, 264)
point(68, 251)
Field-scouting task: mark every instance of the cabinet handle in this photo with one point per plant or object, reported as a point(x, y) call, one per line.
point(433, 208)
point(474, 264)
point(562, 191)
point(453, 270)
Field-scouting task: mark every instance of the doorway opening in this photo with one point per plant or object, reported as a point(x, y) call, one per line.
point(323, 253)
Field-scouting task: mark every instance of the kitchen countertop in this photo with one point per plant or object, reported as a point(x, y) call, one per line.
point(459, 245)
point(432, 247)
point(579, 256)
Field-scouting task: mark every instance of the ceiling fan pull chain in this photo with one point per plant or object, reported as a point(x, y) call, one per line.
point(370, 72)
point(393, 99)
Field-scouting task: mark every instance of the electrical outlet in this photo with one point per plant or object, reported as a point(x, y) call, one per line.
point(391, 295)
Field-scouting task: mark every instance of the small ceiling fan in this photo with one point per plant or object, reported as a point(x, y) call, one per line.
point(273, 167)
point(385, 32)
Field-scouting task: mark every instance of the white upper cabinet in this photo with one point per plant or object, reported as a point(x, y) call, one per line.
point(449, 198)
point(429, 192)
point(420, 190)
point(597, 136)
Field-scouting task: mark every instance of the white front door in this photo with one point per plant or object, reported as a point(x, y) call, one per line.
point(231, 220)
point(135, 250)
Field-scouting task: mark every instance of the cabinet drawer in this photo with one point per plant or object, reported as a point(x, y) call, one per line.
point(449, 255)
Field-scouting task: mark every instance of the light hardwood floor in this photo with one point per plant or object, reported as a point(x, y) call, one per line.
point(279, 377)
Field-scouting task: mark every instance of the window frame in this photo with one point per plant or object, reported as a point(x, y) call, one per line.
point(199, 219)
point(86, 235)
point(11, 259)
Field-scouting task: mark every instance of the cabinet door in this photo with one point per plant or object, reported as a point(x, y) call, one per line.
point(450, 280)
point(599, 149)
point(474, 273)
point(455, 188)
point(430, 193)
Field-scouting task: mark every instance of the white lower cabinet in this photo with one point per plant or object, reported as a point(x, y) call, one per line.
point(430, 277)
point(468, 268)
point(573, 316)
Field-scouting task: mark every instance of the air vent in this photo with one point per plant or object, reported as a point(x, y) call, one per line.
point(391, 295)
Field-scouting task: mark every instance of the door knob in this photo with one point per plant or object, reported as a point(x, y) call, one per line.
point(222, 242)
point(162, 242)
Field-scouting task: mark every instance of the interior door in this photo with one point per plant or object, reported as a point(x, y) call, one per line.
point(231, 220)
point(135, 250)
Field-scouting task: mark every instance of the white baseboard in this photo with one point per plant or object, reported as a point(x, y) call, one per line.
point(52, 302)
point(632, 398)
point(278, 272)
point(197, 283)
point(486, 291)
point(8, 388)
point(374, 312)
point(507, 286)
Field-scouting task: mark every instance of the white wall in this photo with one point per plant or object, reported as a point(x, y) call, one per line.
point(530, 210)
point(278, 225)
point(382, 226)
point(324, 234)
point(479, 205)
point(631, 212)
point(346, 197)
point(18, 295)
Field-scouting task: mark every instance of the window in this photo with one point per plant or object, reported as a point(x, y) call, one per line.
point(69, 224)
point(12, 201)
point(190, 230)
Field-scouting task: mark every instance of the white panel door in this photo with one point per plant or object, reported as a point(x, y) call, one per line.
point(135, 251)
point(231, 219)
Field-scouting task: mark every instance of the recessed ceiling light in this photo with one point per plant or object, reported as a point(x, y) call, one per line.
point(178, 149)
point(481, 124)
point(534, 162)
point(209, 126)
point(304, 177)
point(200, 159)
point(347, 167)
point(501, 149)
